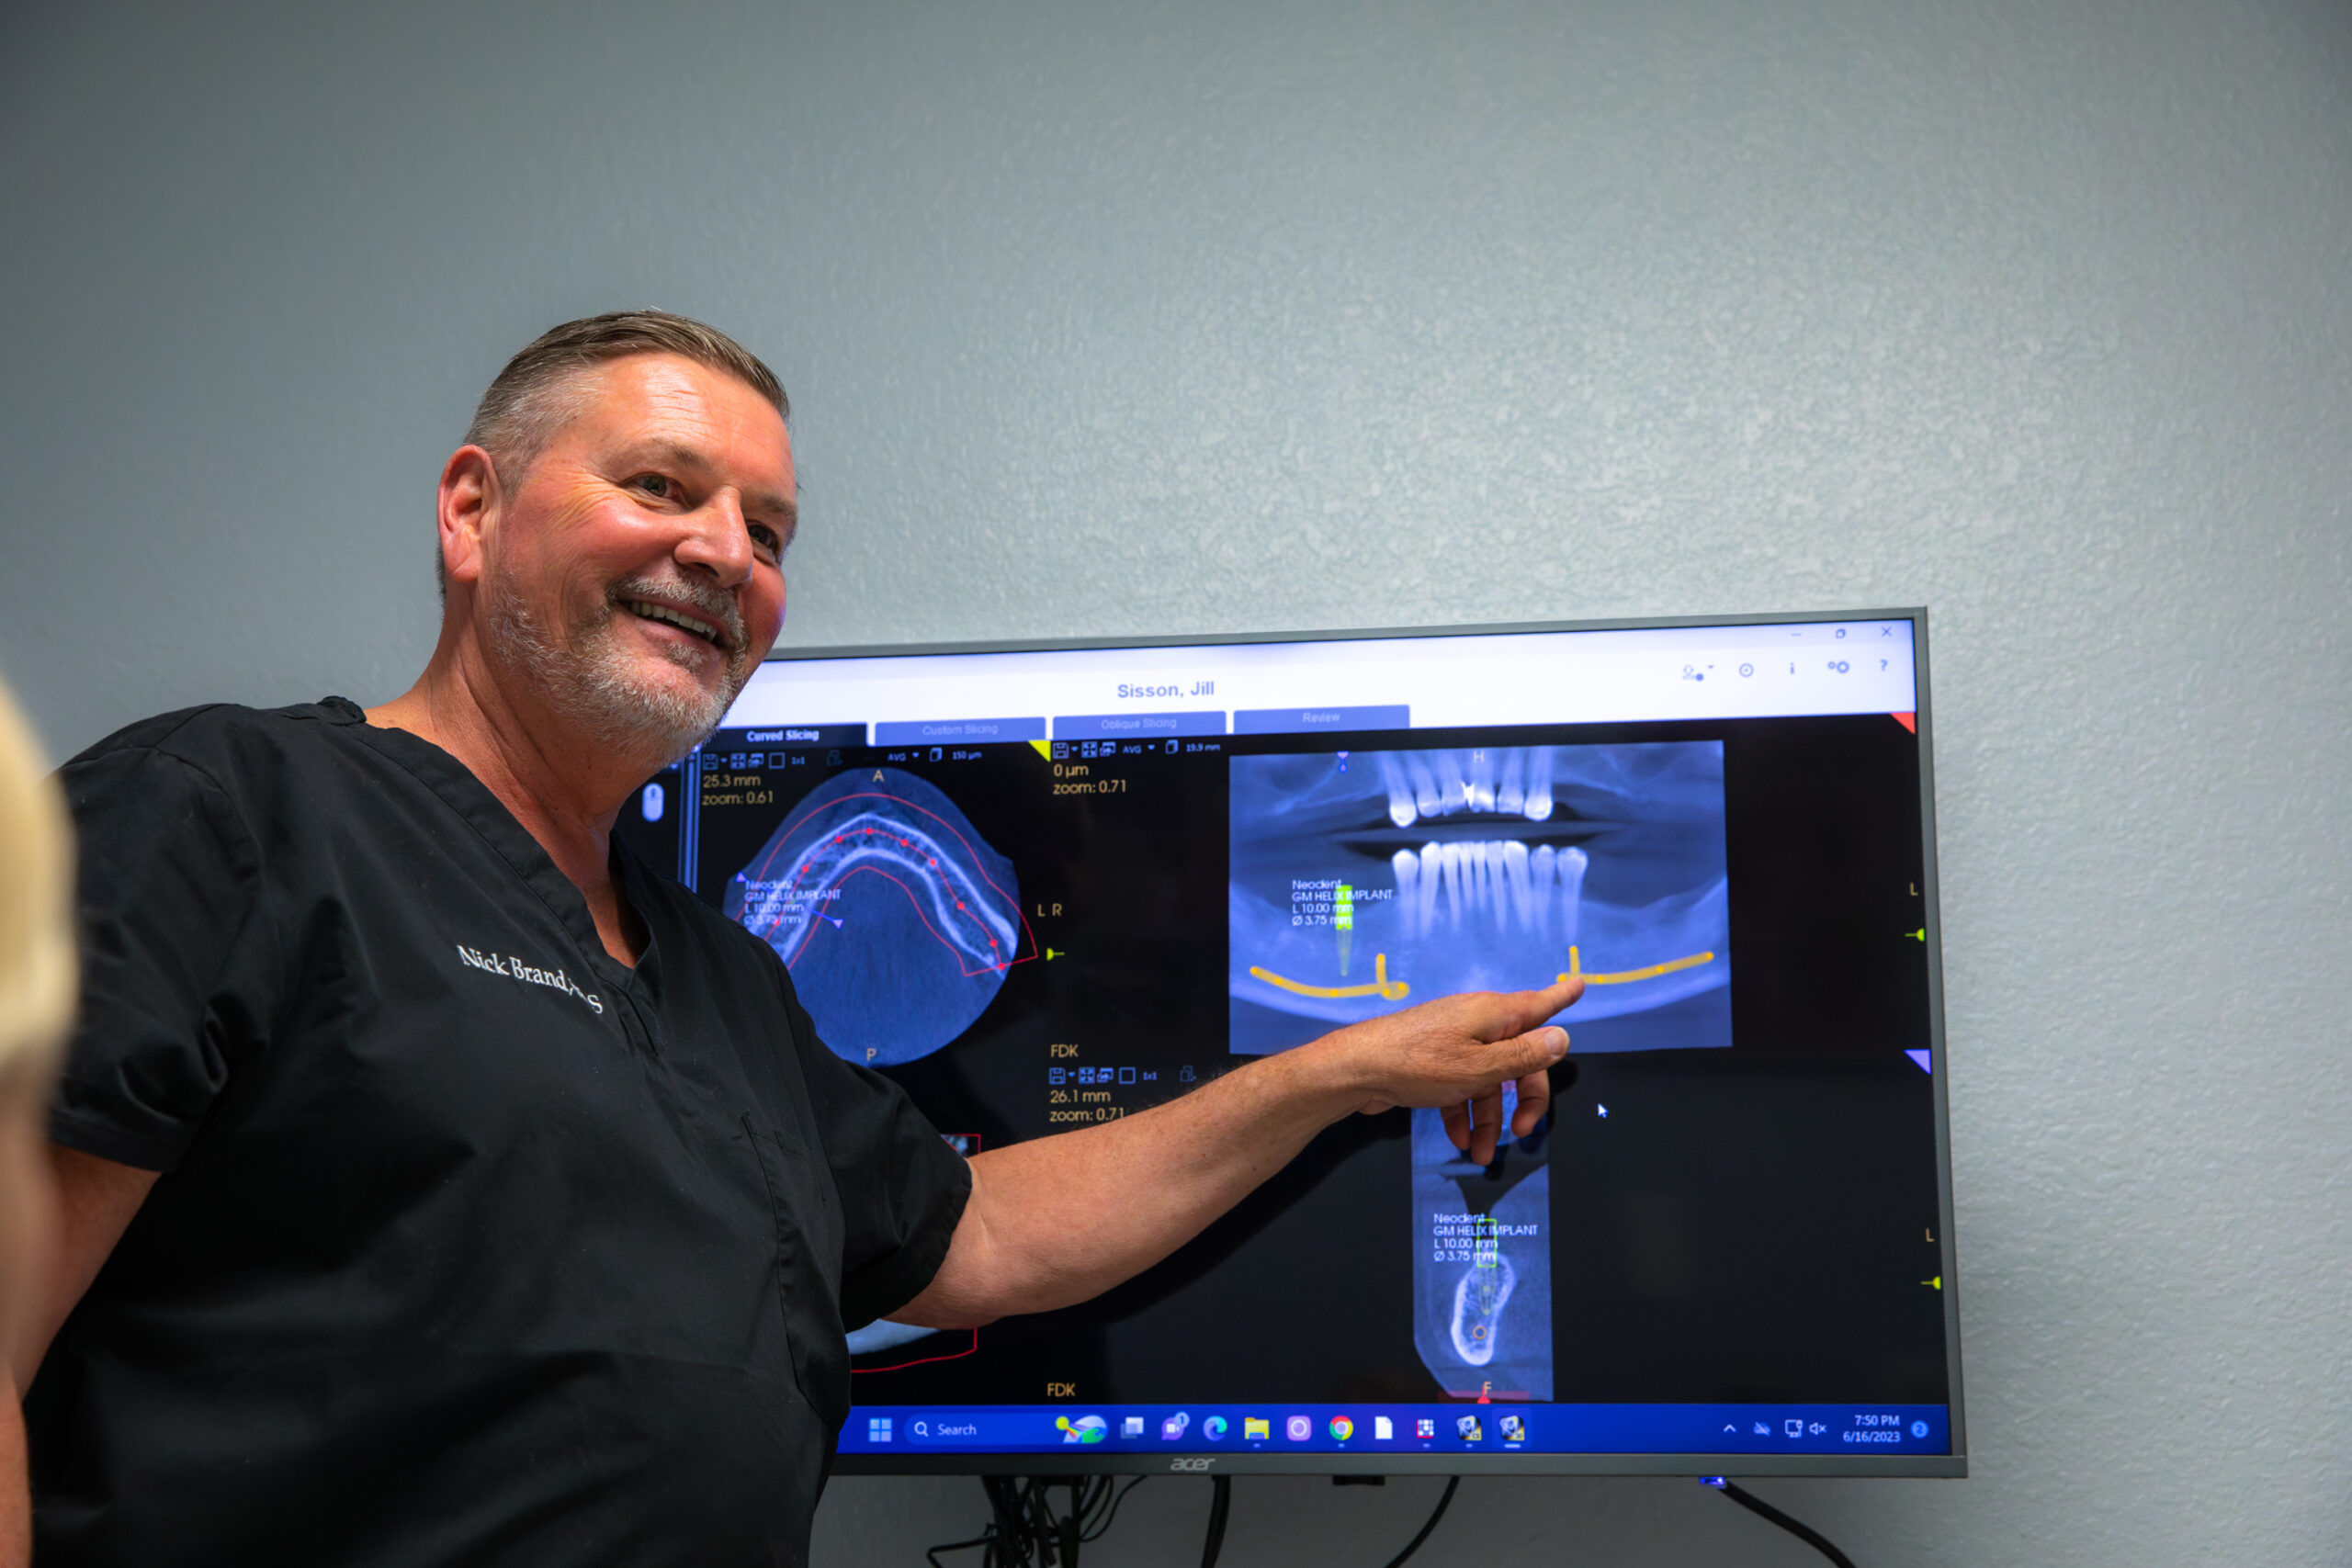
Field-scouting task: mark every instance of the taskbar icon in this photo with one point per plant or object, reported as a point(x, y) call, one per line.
point(1085, 1429)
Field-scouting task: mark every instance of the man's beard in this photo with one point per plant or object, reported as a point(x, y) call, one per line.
point(590, 678)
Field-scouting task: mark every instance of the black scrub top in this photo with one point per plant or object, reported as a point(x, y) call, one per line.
point(472, 1244)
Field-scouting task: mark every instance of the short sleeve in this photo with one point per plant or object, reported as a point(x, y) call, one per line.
point(902, 1187)
point(170, 914)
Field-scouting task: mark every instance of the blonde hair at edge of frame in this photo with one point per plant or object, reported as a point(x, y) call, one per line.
point(37, 968)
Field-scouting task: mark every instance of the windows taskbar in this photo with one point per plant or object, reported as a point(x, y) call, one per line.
point(1454, 1429)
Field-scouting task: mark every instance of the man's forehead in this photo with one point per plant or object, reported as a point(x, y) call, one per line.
point(665, 406)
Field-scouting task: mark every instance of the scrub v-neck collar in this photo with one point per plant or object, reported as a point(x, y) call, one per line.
point(473, 801)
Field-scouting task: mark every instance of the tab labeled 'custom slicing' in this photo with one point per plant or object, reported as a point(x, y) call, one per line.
point(939, 731)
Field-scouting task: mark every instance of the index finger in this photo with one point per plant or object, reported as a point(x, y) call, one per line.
point(1520, 1011)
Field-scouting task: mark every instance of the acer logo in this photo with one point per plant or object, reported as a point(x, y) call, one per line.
point(1191, 1465)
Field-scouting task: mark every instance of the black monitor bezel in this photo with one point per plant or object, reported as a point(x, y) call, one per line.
point(1952, 1465)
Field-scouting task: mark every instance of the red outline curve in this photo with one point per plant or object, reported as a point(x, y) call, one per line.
point(1015, 904)
point(810, 935)
point(971, 1349)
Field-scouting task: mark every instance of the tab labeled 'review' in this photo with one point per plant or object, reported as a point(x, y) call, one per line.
point(1308, 721)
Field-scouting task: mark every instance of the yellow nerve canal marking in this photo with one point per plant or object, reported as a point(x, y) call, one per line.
point(1395, 990)
point(1381, 985)
point(1575, 969)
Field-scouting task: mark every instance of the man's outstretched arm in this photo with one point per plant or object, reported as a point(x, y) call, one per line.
point(1061, 1219)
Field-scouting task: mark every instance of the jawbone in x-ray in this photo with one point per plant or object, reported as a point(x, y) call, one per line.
point(896, 920)
point(1362, 883)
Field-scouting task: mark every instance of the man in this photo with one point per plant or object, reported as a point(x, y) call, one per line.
point(440, 1184)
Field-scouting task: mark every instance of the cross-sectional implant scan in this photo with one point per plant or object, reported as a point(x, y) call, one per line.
point(895, 918)
point(1482, 1276)
point(1364, 883)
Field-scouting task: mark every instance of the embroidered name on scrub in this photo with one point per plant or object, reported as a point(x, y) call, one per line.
point(516, 969)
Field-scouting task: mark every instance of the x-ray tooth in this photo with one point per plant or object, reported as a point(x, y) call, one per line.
point(1540, 872)
point(1453, 855)
point(1424, 908)
point(1478, 781)
point(1428, 798)
point(1511, 794)
point(1452, 788)
point(1479, 1301)
point(1569, 868)
point(1523, 894)
point(1406, 866)
point(1403, 809)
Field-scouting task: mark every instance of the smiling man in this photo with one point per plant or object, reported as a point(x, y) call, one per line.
point(442, 1185)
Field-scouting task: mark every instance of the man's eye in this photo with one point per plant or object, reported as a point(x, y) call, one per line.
point(657, 486)
point(767, 539)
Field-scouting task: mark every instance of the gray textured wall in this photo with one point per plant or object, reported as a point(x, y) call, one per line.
point(1129, 319)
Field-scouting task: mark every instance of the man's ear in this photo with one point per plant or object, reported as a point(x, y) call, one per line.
point(467, 503)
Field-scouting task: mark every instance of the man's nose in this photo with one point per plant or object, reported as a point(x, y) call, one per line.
point(718, 539)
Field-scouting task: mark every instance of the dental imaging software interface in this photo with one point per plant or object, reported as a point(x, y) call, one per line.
point(1045, 889)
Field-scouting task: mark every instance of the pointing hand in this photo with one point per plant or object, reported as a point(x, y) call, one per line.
point(1456, 1053)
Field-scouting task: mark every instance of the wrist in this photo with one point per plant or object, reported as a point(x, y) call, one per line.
point(1330, 1075)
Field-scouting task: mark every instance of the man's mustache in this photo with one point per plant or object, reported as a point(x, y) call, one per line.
point(717, 605)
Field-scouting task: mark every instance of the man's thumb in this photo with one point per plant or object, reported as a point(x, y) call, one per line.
point(1540, 1048)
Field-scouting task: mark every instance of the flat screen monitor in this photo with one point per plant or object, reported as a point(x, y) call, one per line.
point(1044, 886)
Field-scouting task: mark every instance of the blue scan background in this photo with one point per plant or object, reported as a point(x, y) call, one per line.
point(885, 962)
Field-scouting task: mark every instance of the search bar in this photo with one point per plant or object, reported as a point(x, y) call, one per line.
point(980, 1429)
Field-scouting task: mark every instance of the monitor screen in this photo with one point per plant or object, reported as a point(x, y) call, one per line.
point(1042, 887)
